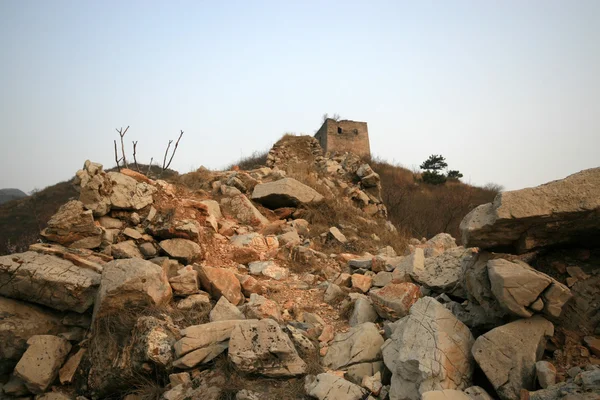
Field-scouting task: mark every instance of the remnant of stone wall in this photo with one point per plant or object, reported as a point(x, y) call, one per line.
point(344, 136)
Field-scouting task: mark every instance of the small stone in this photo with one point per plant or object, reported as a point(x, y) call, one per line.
point(132, 233)
point(225, 311)
point(185, 283)
point(337, 235)
point(327, 334)
point(373, 383)
point(40, 364)
point(67, 372)
point(546, 374)
point(361, 282)
point(593, 343)
point(333, 293)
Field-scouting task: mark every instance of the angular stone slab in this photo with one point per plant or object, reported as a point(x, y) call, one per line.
point(286, 192)
point(562, 211)
point(48, 280)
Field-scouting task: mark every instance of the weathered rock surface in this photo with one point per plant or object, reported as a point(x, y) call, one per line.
point(185, 283)
point(18, 322)
point(394, 300)
point(202, 343)
point(131, 283)
point(95, 188)
point(39, 366)
point(508, 353)
point(183, 250)
point(332, 387)
point(429, 350)
point(225, 311)
point(129, 194)
point(447, 394)
point(261, 347)
point(126, 249)
point(522, 290)
point(557, 212)
point(245, 212)
point(73, 226)
point(442, 273)
point(47, 280)
point(362, 312)
point(260, 307)
point(221, 282)
point(360, 344)
point(286, 192)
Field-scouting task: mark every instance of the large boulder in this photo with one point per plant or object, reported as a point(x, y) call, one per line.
point(73, 226)
point(95, 188)
point(428, 350)
point(443, 273)
point(18, 322)
point(362, 343)
point(286, 192)
point(202, 343)
point(562, 211)
point(245, 212)
point(129, 194)
point(129, 284)
point(100, 191)
point(507, 354)
point(332, 387)
point(261, 347)
point(48, 280)
point(221, 282)
point(39, 366)
point(522, 290)
point(183, 250)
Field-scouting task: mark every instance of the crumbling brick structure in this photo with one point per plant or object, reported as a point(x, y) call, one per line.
point(344, 136)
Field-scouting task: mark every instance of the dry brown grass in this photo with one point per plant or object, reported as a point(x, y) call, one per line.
point(198, 179)
point(424, 210)
point(272, 389)
point(255, 160)
point(336, 212)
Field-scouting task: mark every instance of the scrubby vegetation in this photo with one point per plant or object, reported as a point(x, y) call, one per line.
point(423, 209)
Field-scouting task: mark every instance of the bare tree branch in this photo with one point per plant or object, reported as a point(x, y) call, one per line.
point(122, 134)
point(166, 152)
point(134, 159)
point(149, 167)
point(116, 157)
point(164, 167)
point(175, 149)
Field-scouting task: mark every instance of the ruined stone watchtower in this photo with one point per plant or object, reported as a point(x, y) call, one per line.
point(344, 136)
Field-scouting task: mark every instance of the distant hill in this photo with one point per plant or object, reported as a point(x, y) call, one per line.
point(11, 194)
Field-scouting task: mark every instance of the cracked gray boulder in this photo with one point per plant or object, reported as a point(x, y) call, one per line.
point(73, 226)
point(261, 347)
point(48, 280)
point(443, 273)
point(100, 191)
point(18, 322)
point(362, 343)
point(429, 350)
point(129, 284)
point(523, 291)
point(562, 211)
point(286, 192)
point(507, 354)
point(332, 387)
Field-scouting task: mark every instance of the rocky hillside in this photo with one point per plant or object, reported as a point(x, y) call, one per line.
point(11, 194)
point(289, 282)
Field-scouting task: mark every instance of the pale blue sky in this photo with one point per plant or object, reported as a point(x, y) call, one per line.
point(508, 91)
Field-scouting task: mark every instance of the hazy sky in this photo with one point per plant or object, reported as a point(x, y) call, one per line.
point(507, 91)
